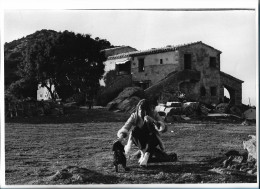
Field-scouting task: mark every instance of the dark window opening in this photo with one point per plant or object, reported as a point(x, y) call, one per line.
point(143, 85)
point(187, 61)
point(213, 91)
point(123, 68)
point(213, 62)
point(141, 65)
point(202, 91)
point(161, 61)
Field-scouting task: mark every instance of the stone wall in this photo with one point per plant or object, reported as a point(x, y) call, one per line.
point(234, 87)
point(155, 70)
point(174, 61)
point(169, 85)
point(210, 76)
point(30, 108)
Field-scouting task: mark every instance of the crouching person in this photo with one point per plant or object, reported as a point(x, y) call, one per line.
point(119, 153)
point(145, 133)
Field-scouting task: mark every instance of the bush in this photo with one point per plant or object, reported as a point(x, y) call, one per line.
point(80, 99)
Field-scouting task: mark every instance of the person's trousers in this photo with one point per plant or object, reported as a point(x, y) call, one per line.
point(144, 140)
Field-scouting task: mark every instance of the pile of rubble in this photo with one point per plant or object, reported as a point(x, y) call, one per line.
point(176, 111)
point(79, 175)
point(182, 110)
point(126, 100)
point(236, 163)
point(71, 175)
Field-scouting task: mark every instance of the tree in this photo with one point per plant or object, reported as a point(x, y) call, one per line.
point(22, 88)
point(110, 77)
point(66, 60)
point(14, 54)
point(37, 64)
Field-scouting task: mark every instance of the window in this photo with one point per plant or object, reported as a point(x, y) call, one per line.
point(213, 91)
point(213, 62)
point(143, 84)
point(161, 61)
point(141, 65)
point(123, 68)
point(202, 91)
point(187, 61)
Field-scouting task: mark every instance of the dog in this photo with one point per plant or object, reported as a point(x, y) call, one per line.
point(119, 154)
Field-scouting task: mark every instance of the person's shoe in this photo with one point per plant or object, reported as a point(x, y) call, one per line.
point(144, 161)
point(140, 159)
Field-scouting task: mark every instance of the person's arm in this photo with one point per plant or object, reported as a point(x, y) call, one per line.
point(127, 126)
point(159, 122)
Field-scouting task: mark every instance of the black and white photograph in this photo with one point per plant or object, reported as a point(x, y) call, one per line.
point(130, 95)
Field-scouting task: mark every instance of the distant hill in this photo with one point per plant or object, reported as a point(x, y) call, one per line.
point(13, 53)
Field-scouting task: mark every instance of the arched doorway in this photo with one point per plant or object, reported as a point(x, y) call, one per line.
point(226, 96)
point(229, 95)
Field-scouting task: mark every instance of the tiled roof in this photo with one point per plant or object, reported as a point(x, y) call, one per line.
point(157, 50)
point(119, 47)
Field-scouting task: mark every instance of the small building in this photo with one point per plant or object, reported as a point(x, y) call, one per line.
point(149, 67)
point(43, 93)
point(112, 52)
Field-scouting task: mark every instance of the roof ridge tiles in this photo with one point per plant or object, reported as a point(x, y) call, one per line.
point(156, 50)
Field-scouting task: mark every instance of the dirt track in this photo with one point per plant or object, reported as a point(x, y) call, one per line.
point(80, 143)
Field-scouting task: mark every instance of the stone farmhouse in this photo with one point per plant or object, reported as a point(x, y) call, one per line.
point(196, 67)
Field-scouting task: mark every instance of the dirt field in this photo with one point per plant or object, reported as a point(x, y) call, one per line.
point(76, 149)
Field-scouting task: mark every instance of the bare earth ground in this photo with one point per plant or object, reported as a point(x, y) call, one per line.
point(79, 143)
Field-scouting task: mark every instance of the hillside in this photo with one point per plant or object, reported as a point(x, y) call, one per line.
point(22, 50)
point(13, 53)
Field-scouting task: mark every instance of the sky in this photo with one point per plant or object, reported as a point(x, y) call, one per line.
point(233, 32)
